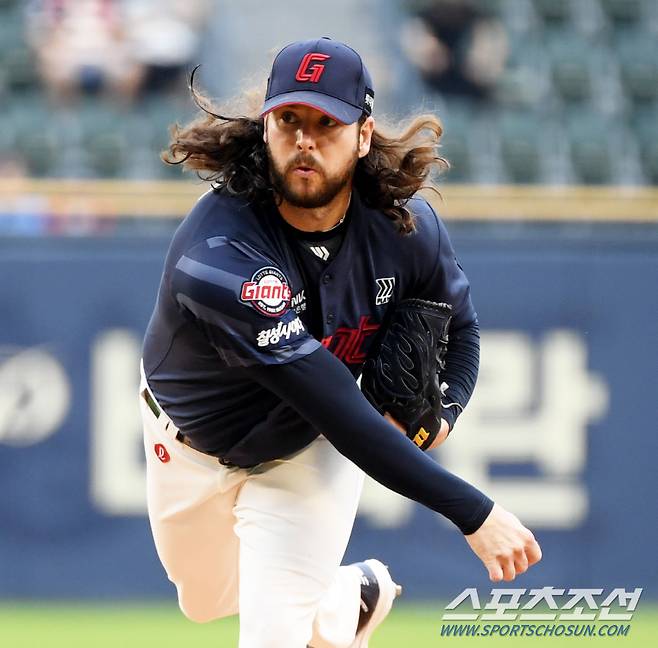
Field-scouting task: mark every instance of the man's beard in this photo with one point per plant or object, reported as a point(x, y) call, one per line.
point(323, 195)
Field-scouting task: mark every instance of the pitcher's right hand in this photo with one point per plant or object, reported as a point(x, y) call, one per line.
point(504, 545)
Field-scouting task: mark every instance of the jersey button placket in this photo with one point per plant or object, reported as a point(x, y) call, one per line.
point(326, 279)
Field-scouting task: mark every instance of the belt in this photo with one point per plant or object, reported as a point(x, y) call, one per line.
point(155, 408)
point(157, 412)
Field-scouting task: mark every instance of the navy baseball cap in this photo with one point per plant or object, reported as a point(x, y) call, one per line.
point(324, 74)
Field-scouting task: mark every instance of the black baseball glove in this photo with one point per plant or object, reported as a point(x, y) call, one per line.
point(403, 379)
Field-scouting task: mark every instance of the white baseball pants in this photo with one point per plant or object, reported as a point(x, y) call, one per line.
point(265, 542)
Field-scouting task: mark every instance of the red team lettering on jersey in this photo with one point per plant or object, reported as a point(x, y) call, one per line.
point(349, 345)
point(255, 292)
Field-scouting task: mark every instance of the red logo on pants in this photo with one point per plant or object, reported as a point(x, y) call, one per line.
point(308, 72)
point(161, 453)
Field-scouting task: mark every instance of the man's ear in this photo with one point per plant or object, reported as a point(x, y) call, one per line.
point(365, 136)
point(265, 128)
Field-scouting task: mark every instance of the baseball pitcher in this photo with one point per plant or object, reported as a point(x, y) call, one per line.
point(310, 262)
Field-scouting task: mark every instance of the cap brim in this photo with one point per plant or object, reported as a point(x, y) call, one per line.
point(335, 108)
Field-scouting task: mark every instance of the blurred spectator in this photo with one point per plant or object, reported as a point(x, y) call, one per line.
point(164, 37)
point(123, 47)
point(81, 47)
point(458, 48)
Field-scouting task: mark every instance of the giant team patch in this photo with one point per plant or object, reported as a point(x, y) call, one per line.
point(268, 291)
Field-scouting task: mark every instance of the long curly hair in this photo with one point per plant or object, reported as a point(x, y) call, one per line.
point(230, 153)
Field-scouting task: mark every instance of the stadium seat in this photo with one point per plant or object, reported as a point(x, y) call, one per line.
point(553, 12)
point(520, 144)
point(33, 136)
point(102, 137)
point(455, 149)
point(12, 25)
point(622, 12)
point(637, 51)
point(649, 150)
point(38, 151)
point(490, 7)
point(105, 152)
point(591, 146)
point(573, 64)
point(645, 125)
point(16, 59)
point(526, 78)
point(455, 144)
point(19, 69)
point(157, 117)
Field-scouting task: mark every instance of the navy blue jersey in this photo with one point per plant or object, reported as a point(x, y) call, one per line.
point(233, 296)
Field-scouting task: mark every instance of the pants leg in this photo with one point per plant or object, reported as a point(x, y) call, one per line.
point(295, 517)
point(338, 613)
point(266, 542)
point(190, 503)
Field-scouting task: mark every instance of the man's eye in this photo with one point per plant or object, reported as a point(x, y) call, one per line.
point(328, 121)
point(288, 117)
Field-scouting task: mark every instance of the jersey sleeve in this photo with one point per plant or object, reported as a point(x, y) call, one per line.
point(323, 391)
point(446, 281)
point(240, 301)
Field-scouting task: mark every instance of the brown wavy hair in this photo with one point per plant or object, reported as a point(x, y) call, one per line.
point(230, 153)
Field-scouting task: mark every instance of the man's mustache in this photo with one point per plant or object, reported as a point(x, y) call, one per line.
point(307, 161)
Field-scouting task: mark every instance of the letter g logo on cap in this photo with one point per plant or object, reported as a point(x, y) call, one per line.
point(308, 72)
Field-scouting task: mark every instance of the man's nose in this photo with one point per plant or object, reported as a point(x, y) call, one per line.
point(305, 140)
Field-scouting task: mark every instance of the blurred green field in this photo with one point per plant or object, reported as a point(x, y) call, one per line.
point(139, 625)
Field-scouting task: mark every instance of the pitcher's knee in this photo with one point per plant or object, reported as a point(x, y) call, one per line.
point(202, 609)
point(198, 614)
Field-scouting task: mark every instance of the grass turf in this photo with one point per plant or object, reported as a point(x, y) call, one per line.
point(139, 625)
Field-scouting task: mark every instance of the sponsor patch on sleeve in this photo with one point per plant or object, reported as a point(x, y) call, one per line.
point(268, 291)
point(269, 336)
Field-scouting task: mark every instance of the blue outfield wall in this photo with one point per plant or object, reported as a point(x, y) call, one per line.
point(562, 429)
